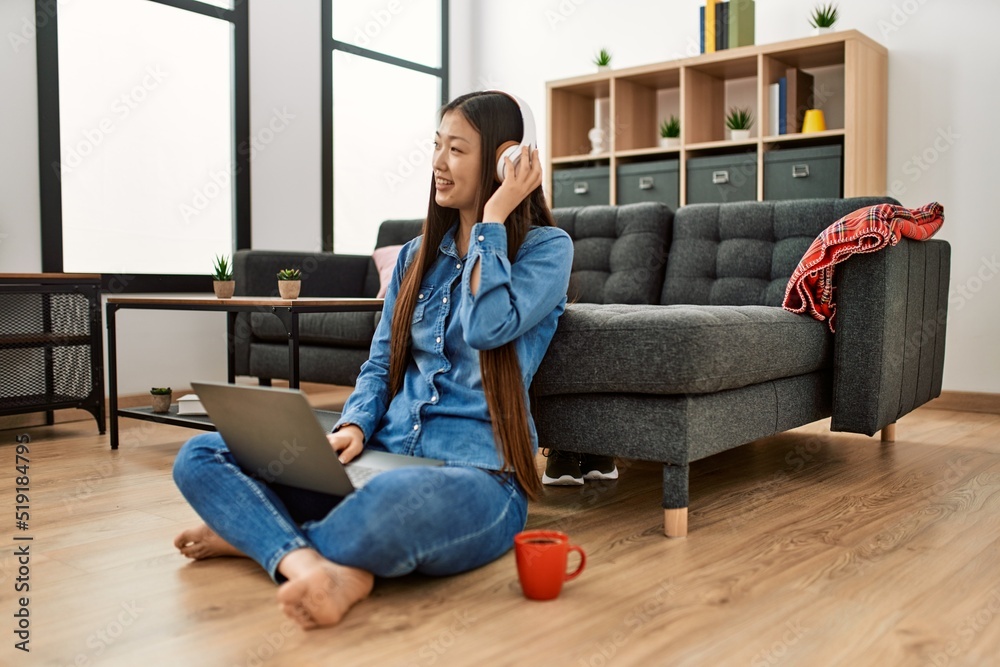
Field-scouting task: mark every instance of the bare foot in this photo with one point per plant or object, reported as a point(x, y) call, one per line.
point(319, 592)
point(202, 542)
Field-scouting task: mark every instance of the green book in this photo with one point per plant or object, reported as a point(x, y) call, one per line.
point(741, 27)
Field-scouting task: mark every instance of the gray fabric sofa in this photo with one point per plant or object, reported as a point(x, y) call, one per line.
point(674, 346)
point(332, 345)
point(715, 362)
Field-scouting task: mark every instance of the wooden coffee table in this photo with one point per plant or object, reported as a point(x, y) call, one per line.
point(287, 310)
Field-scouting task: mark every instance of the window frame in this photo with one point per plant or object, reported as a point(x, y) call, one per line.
point(49, 157)
point(329, 46)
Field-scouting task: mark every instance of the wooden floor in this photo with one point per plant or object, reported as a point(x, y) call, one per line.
point(809, 548)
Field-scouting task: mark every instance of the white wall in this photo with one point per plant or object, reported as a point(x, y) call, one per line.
point(942, 98)
point(20, 236)
point(285, 79)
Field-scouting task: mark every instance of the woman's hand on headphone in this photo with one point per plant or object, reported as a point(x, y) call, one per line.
point(519, 181)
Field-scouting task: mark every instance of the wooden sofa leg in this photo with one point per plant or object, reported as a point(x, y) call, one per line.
point(675, 522)
point(889, 432)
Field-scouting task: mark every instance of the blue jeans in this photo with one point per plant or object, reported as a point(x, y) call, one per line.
point(433, 520)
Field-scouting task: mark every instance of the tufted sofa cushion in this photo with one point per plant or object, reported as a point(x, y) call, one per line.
point(619, 252)
point(743, 253)
point(678, 349)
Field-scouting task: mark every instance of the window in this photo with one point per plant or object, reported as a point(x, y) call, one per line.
point(141, 174)
point(385, 77)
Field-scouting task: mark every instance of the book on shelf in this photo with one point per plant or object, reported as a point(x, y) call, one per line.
point(782, 105)
point(722, 26)
point(701, 28)
point(799, 98)
point(190, 404)
point(741, 23)
point(774, 104)
point(710, 6)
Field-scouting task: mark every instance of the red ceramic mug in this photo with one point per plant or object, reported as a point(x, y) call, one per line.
point(541, 562)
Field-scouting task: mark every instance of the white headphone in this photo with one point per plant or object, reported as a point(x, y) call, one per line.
point(512, 149)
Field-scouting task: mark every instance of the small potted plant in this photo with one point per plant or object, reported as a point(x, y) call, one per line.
point(222, 278)
point(603, 60)
point(161, 399)
point(823, 17)
point(739, 120)
point(289, 283)
point(670, 132)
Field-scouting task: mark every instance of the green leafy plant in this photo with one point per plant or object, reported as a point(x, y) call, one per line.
point(289, 274)
point(739, 118)
point(603, 58)
point(823, 16)
point(670, 129)
point(160, 391)
point(221, 268)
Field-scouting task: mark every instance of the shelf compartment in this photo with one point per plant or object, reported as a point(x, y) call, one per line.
point(709, 90)
point(642, 102)
point(574, 105)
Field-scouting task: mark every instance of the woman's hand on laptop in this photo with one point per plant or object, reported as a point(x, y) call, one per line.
point(347, 441)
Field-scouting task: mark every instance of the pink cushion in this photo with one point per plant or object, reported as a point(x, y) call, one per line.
point(385, 262)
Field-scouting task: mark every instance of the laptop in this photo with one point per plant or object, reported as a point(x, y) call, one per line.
point(274, 436)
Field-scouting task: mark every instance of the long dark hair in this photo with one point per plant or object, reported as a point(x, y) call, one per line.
point(497, 118)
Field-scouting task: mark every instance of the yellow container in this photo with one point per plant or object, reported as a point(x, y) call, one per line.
point(813, 121)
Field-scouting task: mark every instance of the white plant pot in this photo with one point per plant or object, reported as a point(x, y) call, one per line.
point(670, 142)
point(604, 68)
point(822, 31)
point(739, 135)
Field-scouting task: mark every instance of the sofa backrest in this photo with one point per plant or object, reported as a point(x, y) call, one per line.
point(619, 252)
point(743, 253)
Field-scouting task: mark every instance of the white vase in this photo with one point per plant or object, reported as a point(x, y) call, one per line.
point(739, 135)
point(670, 142)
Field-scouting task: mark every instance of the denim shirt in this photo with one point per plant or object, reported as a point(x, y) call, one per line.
point(440, 411)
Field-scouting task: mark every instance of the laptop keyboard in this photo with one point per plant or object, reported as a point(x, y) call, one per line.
point(359, 474)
